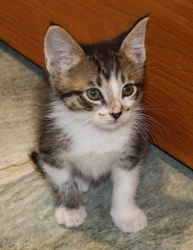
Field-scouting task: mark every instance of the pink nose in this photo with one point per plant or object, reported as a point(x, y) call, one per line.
point(116, 115)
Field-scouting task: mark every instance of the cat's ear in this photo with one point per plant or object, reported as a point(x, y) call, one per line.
point(61, 50)
point(134, 43)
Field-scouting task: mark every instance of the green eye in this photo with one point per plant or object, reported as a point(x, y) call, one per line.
point(127, 90)
point(94, 94)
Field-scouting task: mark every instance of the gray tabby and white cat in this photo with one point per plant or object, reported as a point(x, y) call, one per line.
point(92, 123)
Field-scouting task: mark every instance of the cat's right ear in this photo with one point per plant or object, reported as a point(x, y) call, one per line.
point(61, 50)
point(134, 43)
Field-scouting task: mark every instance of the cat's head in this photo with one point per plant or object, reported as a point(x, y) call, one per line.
point(99, 83)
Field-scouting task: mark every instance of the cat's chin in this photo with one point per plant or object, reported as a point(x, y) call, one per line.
point(113, 125)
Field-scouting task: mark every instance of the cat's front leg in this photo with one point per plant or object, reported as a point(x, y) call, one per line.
point(125, 213)
point(69, 209)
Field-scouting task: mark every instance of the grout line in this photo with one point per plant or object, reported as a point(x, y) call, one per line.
point(15, 165)
point(17, 182)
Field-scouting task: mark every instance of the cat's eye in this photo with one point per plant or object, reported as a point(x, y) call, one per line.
point(127, 90)
point(94, 94)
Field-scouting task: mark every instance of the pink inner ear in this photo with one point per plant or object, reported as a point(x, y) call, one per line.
point(66, 61)
point(59, 64)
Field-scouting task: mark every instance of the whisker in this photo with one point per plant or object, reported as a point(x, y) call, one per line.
point(149, 124)
point(152, 61)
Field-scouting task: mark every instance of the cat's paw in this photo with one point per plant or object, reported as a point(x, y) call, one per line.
point(70, 218)
point(133, 222)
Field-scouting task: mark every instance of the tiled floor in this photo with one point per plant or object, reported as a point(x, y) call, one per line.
point(27, 204)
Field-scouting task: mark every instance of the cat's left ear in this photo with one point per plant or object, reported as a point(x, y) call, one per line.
point(134, 43)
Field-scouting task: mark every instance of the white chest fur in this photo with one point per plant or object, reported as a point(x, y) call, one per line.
point(92, 151)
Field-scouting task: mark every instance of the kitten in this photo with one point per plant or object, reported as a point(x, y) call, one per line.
point(92, 123)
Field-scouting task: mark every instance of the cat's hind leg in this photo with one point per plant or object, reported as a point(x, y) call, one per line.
point(69, 208)
point(82, 183)
point(124, 211)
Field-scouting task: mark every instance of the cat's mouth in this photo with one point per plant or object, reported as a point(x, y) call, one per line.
point(115, 122)
point(111, 125)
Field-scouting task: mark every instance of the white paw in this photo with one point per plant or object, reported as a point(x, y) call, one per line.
point(83, 184)
point(133, 222)
point(70, 218)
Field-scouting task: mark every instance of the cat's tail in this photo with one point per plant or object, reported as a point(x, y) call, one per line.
point(35, 157)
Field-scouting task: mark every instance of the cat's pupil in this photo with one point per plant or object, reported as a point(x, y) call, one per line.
point(93, 92)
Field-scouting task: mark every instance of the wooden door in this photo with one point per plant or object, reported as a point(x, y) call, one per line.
point(169, 77)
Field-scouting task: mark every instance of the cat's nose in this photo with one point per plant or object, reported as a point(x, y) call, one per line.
point(116, 115)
